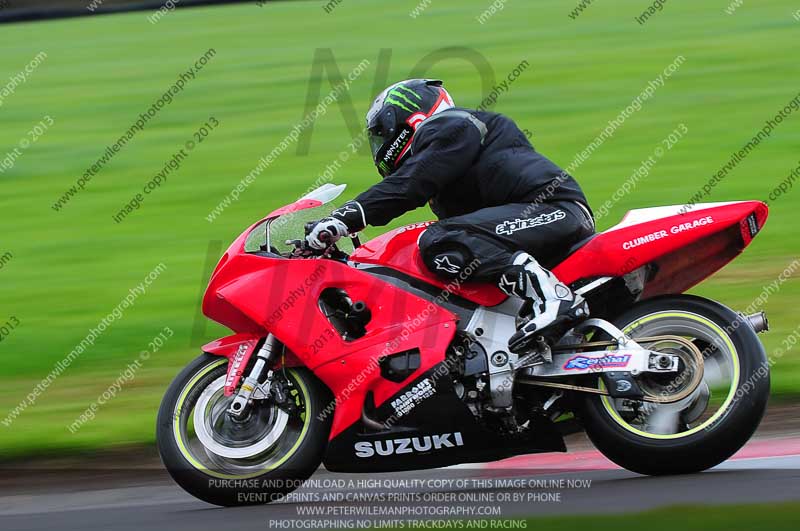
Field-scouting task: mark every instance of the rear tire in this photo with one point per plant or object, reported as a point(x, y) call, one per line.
point(234, 482)
point(712, 440)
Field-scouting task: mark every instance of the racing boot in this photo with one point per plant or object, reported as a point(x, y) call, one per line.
point(554, 308)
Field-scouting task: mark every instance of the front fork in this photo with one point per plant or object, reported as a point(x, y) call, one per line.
point(251, 389)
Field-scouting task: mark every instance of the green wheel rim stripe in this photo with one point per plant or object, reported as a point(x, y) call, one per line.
point(199, 466)
point(722, 410)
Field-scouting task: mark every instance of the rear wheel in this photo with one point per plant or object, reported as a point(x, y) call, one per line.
point(228, 461)
point(709, 425)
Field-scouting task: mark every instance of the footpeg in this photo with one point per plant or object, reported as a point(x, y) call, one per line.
point(544, 349)
point(542, 354)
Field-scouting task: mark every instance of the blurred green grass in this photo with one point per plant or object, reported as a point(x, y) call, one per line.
point(71, 268)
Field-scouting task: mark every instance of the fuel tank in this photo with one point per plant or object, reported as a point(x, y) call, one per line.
point(398, 250)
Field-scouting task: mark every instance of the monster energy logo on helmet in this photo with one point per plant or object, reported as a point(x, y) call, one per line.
point(401, 96)
point(397, 146)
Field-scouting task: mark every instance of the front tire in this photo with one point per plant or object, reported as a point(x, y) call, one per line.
point(711, 424)
point(255, 461)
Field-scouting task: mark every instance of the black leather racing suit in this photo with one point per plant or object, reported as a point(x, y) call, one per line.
point(492, 192)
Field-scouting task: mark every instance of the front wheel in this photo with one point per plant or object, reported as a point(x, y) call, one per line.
point(257, 459)
point(710, 424)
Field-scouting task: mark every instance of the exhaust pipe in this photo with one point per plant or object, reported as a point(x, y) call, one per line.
point(757, 321)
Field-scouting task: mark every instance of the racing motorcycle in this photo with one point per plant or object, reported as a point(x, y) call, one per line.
point(365, 361)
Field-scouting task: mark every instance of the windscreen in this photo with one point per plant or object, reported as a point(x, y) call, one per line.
point(291, 227)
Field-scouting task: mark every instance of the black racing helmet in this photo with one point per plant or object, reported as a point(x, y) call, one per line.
point(394, 116)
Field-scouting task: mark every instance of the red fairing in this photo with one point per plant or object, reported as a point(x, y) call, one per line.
point(398, 249)
point(685, 247)
point(280, 296)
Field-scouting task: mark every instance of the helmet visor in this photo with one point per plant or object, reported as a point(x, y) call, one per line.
point(376, 141)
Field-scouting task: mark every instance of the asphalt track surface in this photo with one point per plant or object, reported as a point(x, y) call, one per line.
point(767, 470)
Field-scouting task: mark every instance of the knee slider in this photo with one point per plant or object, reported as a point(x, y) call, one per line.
point(443, 254)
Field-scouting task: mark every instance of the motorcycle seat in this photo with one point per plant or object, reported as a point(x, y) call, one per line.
point(578, 245)
point(574, 248)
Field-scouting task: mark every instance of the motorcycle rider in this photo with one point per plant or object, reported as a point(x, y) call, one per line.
point(504, 210)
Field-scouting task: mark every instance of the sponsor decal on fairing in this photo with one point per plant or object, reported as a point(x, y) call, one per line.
point(659, 234)
point(236, 362)
point(408, 445)
point(409, 400)
point(415, 226)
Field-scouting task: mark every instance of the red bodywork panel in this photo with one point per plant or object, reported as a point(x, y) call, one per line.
point(687, 248)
